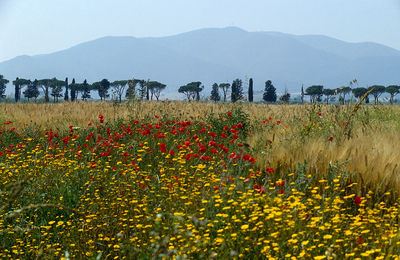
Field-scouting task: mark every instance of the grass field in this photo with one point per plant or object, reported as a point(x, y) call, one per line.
point(195, 180)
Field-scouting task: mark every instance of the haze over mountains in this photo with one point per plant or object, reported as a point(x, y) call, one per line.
point(217, 55)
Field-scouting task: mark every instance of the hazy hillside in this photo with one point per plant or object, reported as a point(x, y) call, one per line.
point(217, 55)
point(345, 49)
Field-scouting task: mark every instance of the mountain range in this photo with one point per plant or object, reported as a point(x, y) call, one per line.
point(217, 55)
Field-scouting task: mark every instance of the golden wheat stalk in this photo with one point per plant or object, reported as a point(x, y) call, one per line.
point(347, 129)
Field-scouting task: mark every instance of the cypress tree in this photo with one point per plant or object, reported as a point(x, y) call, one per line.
point(16, 84)
point(269, 92)
point(73, 90)
point(251, 90)
point(147, 90)
point(215, 93)
point(237, 90)
point(66, 90)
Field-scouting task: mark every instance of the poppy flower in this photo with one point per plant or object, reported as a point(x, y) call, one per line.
point(212, 134)
point(212, 143)
point(357, 200)
point(202, 149)
point(270, 170)
point(246, 157)
point(162, 148)
point(281, 184)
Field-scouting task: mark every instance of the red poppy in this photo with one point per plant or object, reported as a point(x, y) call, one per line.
point(212, 143)
point(357, 200)
point(270, 170)
point(202, 149)
point(162, 148)
point(330, 138)
point(212, 134)
point(282, 183)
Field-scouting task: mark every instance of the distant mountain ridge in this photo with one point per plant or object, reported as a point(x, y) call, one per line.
point(217, 55)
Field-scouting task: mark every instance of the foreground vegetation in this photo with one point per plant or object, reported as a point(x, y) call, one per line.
point(198, 181)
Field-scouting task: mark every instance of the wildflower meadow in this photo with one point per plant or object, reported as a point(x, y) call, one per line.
point(219, 182)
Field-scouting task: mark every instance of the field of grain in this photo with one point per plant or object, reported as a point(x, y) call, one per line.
point(199, 180)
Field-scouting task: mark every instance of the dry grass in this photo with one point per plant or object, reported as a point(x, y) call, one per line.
point(371, 152)
point(80, 113)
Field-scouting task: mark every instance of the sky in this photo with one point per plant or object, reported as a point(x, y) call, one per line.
point(30, 27)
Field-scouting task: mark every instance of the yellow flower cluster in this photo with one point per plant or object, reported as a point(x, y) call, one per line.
point(136, 200)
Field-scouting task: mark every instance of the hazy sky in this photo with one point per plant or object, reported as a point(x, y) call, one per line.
point(43, 26)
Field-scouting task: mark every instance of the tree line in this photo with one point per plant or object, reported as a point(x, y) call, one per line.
point(316, 92)
point(148, 90)
point(56, 89)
